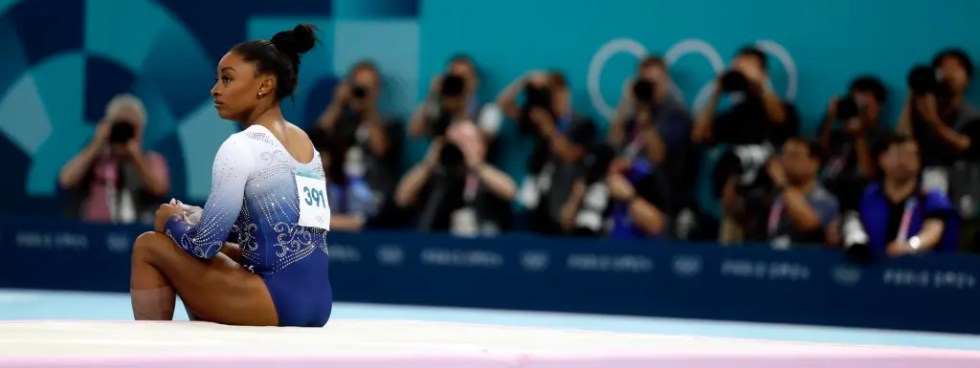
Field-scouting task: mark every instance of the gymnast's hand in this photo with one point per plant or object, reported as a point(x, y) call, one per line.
point(164, 213)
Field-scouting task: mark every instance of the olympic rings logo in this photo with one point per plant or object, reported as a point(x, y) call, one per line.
point(674, 53)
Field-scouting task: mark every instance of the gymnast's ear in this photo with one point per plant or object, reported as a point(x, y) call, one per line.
point(267, 85)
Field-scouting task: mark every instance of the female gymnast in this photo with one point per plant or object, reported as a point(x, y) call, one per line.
point(268, 192)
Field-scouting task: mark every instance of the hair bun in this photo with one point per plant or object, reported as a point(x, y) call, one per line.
point(296, 41)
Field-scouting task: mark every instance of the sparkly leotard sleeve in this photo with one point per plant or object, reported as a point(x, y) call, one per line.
point(232, 167)
point(276, 208)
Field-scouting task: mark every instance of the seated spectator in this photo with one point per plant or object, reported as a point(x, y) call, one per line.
point(754, 126)
point(455, 189)
point(561, 140)
point(649, 116)
point(940, 118)
point(453, 97)
point(620, 197)
point(899, 214)
point(802, 211)
point(851, 127)
point(361, 142)
point(113, 179)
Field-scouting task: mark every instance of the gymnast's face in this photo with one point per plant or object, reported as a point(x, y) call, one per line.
point(239, 88)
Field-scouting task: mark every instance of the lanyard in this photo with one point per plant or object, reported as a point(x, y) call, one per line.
point(775, 215)
point(903, 228)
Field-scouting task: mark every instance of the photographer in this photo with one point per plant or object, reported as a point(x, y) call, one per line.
point(938, 116)
point(561, 139)
point(801, 211)
point(452, 97)
point(361, 142)
point(754, 126)
point(849, 130)
point(898, 213)
point(651, 119)
point(621, 197)
point(456, 189)
point(758, 115)
point(113, 180)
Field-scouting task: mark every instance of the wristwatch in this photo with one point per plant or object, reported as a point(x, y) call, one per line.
point(915, 243)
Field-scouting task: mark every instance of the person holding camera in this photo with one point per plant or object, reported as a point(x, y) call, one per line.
point(454, 187)
point(621, 197)
point(361, 144)
point(947, 127)
point(650, 118)
point(938, 116)
point(113, 179)
point(849, 130)
point(561, 140)
point(758, 115)
point(753, 127)
point(898, 213)
point(801, 210)
point(453, 97)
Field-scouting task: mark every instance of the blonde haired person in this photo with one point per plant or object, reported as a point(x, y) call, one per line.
point(113, 179)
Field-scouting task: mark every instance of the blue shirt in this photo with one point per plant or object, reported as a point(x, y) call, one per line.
point(875, 214)
point(642, 175)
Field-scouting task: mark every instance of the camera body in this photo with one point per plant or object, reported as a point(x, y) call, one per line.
point(923, 79)
point(359, 92)
point(442, 122)
point(122, 131)
point(848, 107)
point(734, 81)
point(451, 90)
point(452, 86)
point(534, 97)
point(644, 91)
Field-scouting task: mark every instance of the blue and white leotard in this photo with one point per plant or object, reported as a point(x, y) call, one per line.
point(255, 194)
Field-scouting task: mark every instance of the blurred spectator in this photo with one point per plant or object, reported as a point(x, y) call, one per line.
point(650, 118)
point(802, 211)
point(350, 198)
point(113, 180)
point(361, 143)
point(621, 197)
point(758, 115)
point(899, 214)
point(561, 136)
point(754, 126)
point(938, 116)
point(453, 97)
point(456, 189)
point(849, 130)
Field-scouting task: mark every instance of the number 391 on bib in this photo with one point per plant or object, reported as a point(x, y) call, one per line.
point(314, 211)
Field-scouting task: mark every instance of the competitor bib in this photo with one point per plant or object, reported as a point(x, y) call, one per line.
point(313, 208)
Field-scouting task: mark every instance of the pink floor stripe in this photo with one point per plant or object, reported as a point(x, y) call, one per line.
point(522, 361)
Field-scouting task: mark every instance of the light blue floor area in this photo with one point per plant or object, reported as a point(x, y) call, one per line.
point(47, 305)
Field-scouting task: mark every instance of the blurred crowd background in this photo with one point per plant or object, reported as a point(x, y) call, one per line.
point(831, 124)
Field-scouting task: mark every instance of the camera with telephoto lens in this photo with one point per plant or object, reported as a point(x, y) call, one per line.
point(855, 239)
point(847, 108)
point(451, 158)
point(121, 132)
point(643, 91)
point(734, 81)
point(452, 86)
point(590, 219)
point(359, 92)
point(442, 122)
point(923, 79)
point(534, 97)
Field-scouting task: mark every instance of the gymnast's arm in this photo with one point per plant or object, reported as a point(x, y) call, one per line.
point(232, 167)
